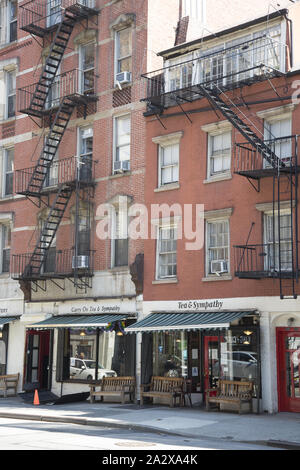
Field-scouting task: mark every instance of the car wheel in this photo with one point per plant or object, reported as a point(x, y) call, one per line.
point(89, 377)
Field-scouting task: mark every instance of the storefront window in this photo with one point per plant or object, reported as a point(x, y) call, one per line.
point(170, 354)
point(2, 354)
point(91, 354)
point(239, 358)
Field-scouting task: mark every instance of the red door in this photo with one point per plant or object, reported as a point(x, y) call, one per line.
point(37, 358)
point(211, 362)
point(288, 364)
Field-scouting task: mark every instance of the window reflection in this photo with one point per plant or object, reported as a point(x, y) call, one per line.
point(239, 356)
point(170, 354)
point(90, 355)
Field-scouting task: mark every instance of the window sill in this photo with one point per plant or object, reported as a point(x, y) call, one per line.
point(217, 178)
point(120, 175)
point(7, 120)
point(165, 281)
point(4, 275)
point(8, 44)
point(167, 187)
point(117, 269)
point(212, 278)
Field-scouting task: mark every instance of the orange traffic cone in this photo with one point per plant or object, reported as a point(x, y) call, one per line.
point(36, 400)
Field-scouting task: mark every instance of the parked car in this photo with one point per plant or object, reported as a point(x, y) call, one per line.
point(239, 364)
point(85, 369)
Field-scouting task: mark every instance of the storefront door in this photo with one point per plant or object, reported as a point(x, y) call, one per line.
point(288, 362)
point(37, 366)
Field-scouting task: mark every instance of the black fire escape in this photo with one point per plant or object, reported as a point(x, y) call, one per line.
point(213, 76)
point(74, 175)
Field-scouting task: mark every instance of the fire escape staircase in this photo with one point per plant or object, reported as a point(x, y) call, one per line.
point(227, 109)
point(48, 231)
point(38, 101)
point(215, 99)
point(52, 63)
point(50, 148)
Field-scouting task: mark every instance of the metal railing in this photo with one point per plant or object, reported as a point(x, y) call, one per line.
point(259, 57)
point(248, 159)
point(72, 83)
point(65, 171)
point(264, 260)
point(58, 263)
point(44, 14)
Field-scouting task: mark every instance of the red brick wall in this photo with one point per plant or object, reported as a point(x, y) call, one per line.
point(236, 193)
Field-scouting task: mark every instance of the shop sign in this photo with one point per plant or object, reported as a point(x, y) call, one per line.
point(94, 308)
point(200, 305)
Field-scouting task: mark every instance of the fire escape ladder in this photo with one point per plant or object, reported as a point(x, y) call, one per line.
point(50, 148)
point(49, 230)
point(215, 99)
point(52, 63)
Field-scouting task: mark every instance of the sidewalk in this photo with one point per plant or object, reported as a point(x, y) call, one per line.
point(280, 430)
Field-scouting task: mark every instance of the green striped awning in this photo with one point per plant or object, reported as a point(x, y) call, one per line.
point(5, 320)
point(186, 321)
point(79, 321)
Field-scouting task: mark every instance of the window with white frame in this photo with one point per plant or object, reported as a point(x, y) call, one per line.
point(85, 160)
point(278, 254)
point(10, 94)
point(193, 9)
point(5, 232)
point(219, 153)
point(278, 132)
point(120, 240)
point(54, 10)
point(8, 172)
point(123, 52)
point(51, 178)
point(122, 138)
point(217, 247)
point(12, 20)
point(168, 163)
point(87, 67)
point(166, 266)
point(49, 264)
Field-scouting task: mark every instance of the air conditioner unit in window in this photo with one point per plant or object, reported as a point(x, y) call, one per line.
point(80, 262)
point(218, 267)
point(123, 77)
point(121, 166)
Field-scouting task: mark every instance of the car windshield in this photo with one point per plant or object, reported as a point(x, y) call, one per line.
point(92, 365)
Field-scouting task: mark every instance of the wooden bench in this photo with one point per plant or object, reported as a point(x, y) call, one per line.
point(231, 392)
point(113, 387)
point(9, 382)
point(164, 387)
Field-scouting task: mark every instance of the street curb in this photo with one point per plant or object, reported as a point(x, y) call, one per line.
point(90, 422)
point(105, 423)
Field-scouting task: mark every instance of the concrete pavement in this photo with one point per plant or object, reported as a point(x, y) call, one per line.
point(280, 430)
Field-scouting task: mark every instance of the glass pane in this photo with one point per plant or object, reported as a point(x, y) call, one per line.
point(239, 355)
point(36, 341)
point(123, 130)
point(2, 357)
point(124, 65)
point(13, 31)
point(11, 106)
point(170, 354)
point(115, 353)
point(123, 153)
point(35, 357)
point(121, 252)
point(88, 56)
point(6, 260)
point(124, 43)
